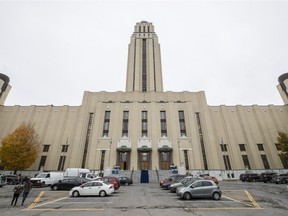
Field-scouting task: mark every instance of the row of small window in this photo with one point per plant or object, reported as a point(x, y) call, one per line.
point(243, 148)
point(64, 148)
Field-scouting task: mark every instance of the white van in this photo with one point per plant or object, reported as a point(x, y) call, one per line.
point(72, 172)
point(47, 178)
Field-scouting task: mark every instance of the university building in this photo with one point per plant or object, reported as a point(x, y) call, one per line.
point(145, 128)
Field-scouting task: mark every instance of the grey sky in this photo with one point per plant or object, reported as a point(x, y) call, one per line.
point(54, 51)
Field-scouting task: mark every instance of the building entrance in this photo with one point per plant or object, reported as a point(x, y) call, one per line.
point(144, 160)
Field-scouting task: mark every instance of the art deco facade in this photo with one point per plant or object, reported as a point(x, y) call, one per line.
point(145, 128)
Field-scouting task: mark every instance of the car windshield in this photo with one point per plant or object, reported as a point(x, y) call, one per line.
point(41, 175)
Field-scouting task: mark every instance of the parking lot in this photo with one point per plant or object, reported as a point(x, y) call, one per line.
point(238, 198)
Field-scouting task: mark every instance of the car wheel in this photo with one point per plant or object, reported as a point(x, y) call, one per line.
point(42, 184)
point(55, 187)
point(216, 196)
point(126, 183)
point(75, 194)
point(187, 196)
point(102, 193)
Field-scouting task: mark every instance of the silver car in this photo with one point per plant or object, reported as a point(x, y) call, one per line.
point(200, 189)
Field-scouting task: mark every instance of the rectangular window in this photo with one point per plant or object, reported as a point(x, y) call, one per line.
point(182, 123)
point(46, 148)
point(88, 133)
point(260, 147)
point(278, 146)
point(223, 147)
point(106, 124)
point(265, 162)
point(227, 162)
point(242, 147)
point(42, 162)
point(61, 163)
point(246, 161)
point(201, 141)
point(102, 160)
point(163, 123)
point(144, 66)
point(125, 123)
point(65, 148)
point(186, 159)
point(144, 123)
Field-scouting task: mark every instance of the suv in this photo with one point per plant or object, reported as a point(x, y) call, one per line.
point(267, 177)
point(11, 179)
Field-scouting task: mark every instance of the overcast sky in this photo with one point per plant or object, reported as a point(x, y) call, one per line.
point(53, 51)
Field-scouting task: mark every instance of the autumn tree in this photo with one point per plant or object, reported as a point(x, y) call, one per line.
point(283, 141)
point(19, 149)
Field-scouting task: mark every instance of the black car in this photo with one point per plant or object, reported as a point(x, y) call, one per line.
point(68, 183)
point(11, 179)
point(253, 177)
point(267, 177)
point(125, 181)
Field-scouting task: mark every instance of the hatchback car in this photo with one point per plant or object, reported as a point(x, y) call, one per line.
point(200, 189)
point(93, 188)
point(68, 183)
point(125, 181)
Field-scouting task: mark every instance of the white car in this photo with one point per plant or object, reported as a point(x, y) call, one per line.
point(92, 188)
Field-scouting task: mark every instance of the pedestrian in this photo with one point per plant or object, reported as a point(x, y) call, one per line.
point(17, 191)
point(26, 189)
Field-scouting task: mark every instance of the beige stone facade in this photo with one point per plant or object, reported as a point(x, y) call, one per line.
point(146, 128)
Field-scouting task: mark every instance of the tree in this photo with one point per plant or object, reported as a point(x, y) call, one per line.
point(19, 149)
point(283, 141)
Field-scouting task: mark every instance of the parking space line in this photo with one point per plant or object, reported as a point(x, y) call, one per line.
point(242, 202)
point(70, 209)
point(31, 206)
point(252, 199)
point(50, 202)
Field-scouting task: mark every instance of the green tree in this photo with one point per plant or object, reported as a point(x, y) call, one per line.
point(19, 149)
point(283, 141)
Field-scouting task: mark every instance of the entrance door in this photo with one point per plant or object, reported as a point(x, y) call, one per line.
point(144, 160)
point(123, 160)
point(165, 160)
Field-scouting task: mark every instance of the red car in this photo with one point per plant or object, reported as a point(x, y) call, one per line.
point(110, 180)
point(171, 178)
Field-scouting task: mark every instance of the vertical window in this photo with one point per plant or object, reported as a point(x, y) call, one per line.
point(144, 66)
point(46, 148)
point(88, 134)
point(223, 147)
point(106, 124)
point(125, 123)
point(186, 159)
point(163, 123)
point(242, 147)
point(61, 163)
point(64, 148)
point(42, 162)
point(102, 160)
point(144, 124)
point(246, 161)
point(260, 147)
point(182, 123)
point(227, 162)
point(201, 141)
point(265, 162)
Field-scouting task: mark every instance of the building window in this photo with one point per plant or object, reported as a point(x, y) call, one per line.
point(182, 123)
point(163, 123)
point(246, 161)
point(42, 162)
point(106, 124)
point(65, 148)
point(46, 148)
point(61, 163)
point(260, 147)
point(144, 124)
point(102, 160)
point(88, 134)
point(201, 141)
point(265, 162)
point(227, 162)
point(144, 66)
point(242, 147)
point(186, 159)
point(125, 123)
point(223, 147)
point(278, 146)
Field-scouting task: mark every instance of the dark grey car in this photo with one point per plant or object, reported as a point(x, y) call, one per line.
point(200, 189)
